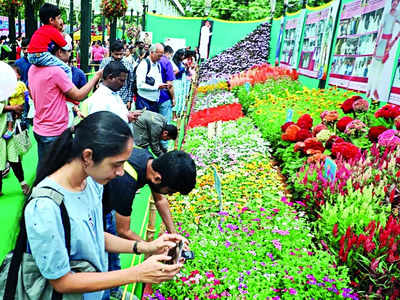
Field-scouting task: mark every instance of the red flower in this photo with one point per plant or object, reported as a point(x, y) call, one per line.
point(389, 111)
point(286, 125)
point(303, 134)
point(347, 150)
point(313, 144)
point(305, 122)
point(375, 132)
point(335, 230)
point(342, 123)
point(291, 133)
point(299, 146)
point(333, 139)
point(397, 122)
point(347, 106)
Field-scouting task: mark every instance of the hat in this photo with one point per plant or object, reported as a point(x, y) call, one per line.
point(68, 46)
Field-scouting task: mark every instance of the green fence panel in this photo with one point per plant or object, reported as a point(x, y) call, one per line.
point(225, 34)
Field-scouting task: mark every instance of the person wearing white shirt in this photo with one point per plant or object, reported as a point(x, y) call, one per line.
point(106, 97)
point(149, 81)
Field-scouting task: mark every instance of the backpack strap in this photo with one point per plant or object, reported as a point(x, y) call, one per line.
point(148, 66)
point(128, 168)
point(20, 247)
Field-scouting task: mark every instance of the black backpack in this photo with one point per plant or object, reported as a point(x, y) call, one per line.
point(134, 84)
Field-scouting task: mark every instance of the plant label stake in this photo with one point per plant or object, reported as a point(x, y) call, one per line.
point(217, 181)
point(330, 169)
point(289, 115)
point(247, 87)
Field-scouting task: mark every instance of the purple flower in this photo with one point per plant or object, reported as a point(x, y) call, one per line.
point(292, 291)
point(263, 264)
point(224, 270)
point(223, 213)
point(327, 279)
point(281, 232)
point(228, 244)
point(277, 244)
point(232, 227)
point(270, 256)
point(253, 252)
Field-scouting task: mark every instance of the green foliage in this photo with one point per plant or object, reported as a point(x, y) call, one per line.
point(240, 10)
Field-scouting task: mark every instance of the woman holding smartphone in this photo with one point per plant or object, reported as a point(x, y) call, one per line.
point(80, 162)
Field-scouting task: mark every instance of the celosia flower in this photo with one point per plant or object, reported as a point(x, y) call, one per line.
point(360, 105)
point(318, 128)
point(342, 123)
point(305, 122)
point(375, 132)
point(313, 144)
point(315, 158)
point(324, 135)
point(347, 106)
point(355, 127)
point(347, 150)
point(329, 116)
point(389, 138)
point(333, 139)
point(303, 134)
point(299, 146)
point(389, 111)
point(291, 133)
point(397, 122)
point(286, 125)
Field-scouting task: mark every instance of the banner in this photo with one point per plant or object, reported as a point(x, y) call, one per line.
point(317, 40)
point(366, 46)
point(292, 38)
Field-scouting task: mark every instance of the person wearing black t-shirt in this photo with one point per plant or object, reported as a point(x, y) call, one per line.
point(172, 172)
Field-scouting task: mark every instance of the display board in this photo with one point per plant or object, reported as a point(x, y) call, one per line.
point(292, 39)
point(317, 39)
point(366, 47)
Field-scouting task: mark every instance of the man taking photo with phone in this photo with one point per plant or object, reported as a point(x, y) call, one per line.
point(149, 81)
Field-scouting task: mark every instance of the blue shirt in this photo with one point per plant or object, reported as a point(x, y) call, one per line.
point(23, 64)
point(46, 232)
point(78, 77)
point(167, 74)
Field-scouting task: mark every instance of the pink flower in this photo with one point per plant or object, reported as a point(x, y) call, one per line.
point(389, 138)
point(292, 291)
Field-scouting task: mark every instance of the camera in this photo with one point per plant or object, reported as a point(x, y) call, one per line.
point(176, 253)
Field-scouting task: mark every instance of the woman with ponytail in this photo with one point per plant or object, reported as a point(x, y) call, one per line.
point(80, 162)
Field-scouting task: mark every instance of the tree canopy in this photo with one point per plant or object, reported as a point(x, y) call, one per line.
point(242, 10)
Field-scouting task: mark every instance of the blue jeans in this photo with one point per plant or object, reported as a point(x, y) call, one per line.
point(46, 59)
point(113, 258)
point(144, 103)
point(165, 109)
point(44, 144)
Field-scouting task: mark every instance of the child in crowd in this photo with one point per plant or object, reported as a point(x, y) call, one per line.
point(44, 39)
point(18, 98)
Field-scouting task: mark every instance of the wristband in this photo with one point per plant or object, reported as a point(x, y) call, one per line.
point(135, 243)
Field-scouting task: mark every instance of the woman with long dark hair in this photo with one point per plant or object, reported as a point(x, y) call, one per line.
point(81, 160)
point(179, 82)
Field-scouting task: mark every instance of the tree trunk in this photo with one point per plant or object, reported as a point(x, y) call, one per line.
point(30, 18)
point(12, 33)
point(113, 30)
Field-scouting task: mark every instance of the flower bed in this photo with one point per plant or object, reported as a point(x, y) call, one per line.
point(226, 112)
point(258, 246)
point(214, 99)
point(351, 213)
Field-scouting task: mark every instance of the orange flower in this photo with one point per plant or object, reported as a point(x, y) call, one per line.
point(290, 133)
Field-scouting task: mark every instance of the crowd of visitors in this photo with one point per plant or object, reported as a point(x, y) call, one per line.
point(118, 139)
